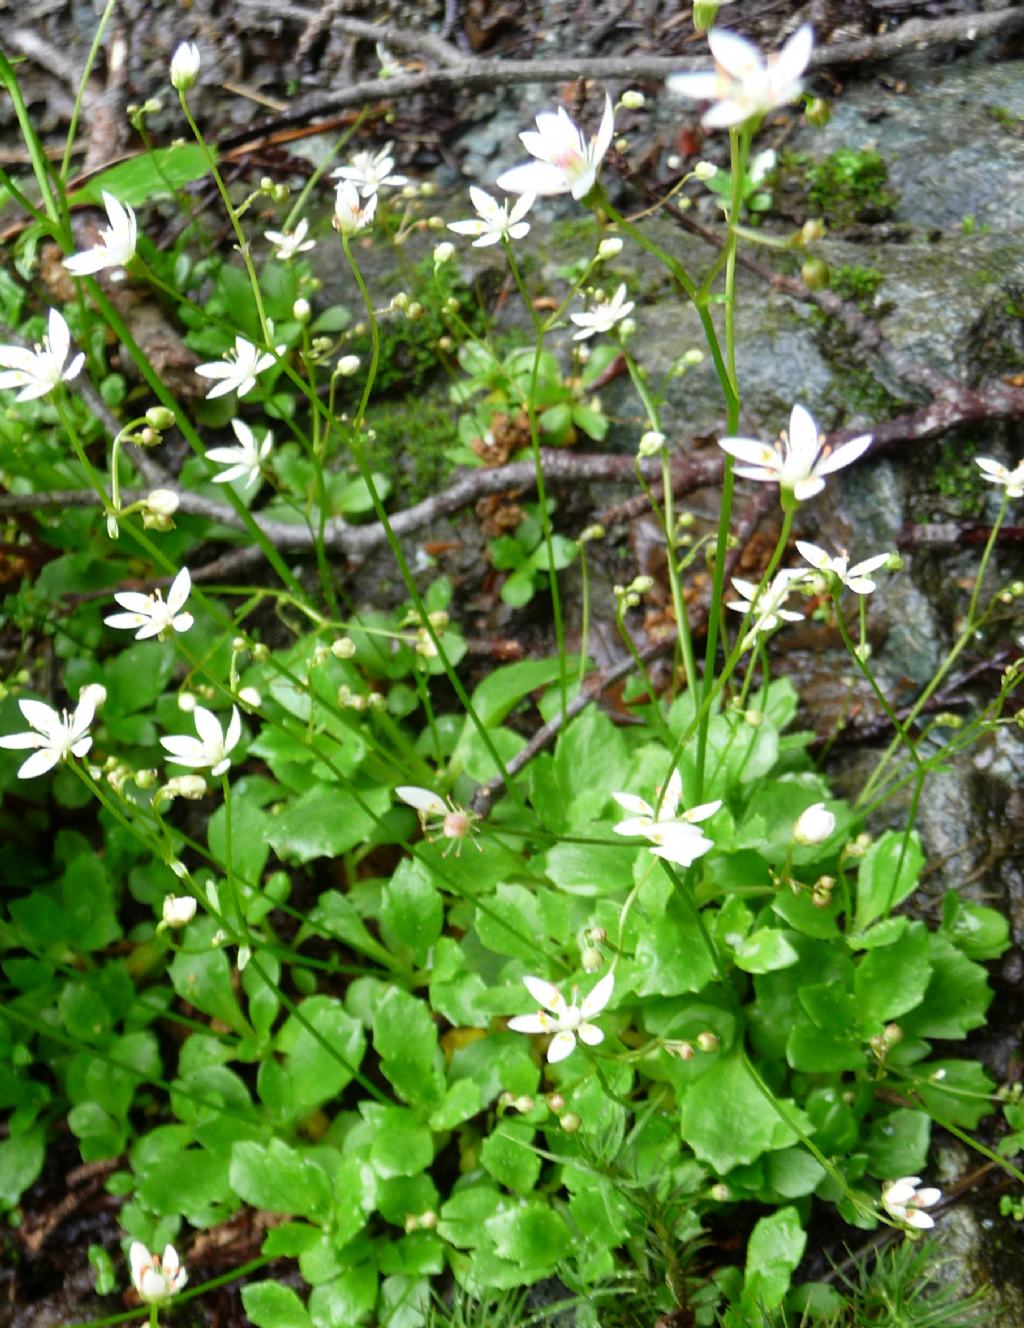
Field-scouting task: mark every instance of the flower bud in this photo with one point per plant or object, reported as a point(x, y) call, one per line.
point(569, 1122)
point(185, 66)
point(590, 533)
point(343, 648)
point(301, 310)
point(178, 910)
point(145, 779)
point(704, 170)
point(347, 366)
point(814, 825)
point(159, 417)
point(812, 231)
point(817, 112)
point(642, 585)
point(186, 702)
point(720, 1193)
point(555, 1101)
point(192, 787)
point(684, 1050)
point(524, 1103)
point(651, 443)
point(815, 274)
point(443, 253)
point(591, 959)
point(704, 14)
point(693, 357)
point(633, 100)
point(610, 248)
point(708, 1041)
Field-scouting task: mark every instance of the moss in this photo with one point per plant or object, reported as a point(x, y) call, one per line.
point(957, 480)
point(411, 437)
point(845, 187)
point(859, 284)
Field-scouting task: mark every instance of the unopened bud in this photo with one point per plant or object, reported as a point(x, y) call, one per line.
point(590, 533)
point(704, 170)
point(633, 100)
point(555, 1101)
point(162, 502)
point(814, 825)
point(720, 1193)
point(301, 310)
point(524, 1103)
point(178, 910)
point(343, 648)
point(159, 417)
point(815, 274)
point(443, 253)
point(704, 14)
point(610, 248)
point(708, 1041)
point(569, 1122)
point(817, 112)
point(684, 1050)
point(347, 366)
point(651, 443)
point(591, 959)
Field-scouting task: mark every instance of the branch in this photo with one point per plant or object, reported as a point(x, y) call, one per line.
point(471, 73)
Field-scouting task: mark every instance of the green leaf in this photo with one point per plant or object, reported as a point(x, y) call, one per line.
point(512, 922)
point(817, 1052)
point(956, 1091)
point(250, 845)
point(892, 980)
point(503, 689)
point(346, 1300)
point(978, 932)
point(271, 1305)
point(203, 978)
point(671, 956)
point(137, 676)
point(590, 764)
point(879, 889)
point(775, 1248)
point(588, 869)
point(405, 1037)
point(463, 1217)
point(324, 822)
point(530, 1234)
point(897, 1144)
point(727, 1120)
point(461, 1101)
point(956, 997)
point(793, 1172)
point(323, 1046)
point(765, 950)
point(152, 174)
point(507, 1156)
point(21, 1161)
point(400, 1144)
point(279, 1179)
point(412, 910)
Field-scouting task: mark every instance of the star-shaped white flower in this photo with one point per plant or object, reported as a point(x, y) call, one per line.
point(245, 461)
point(117, 242)
point(151, 614)
point(212, 747)
point(856, 578)
point(566, 162)
point(799, 461)
point(238, 369)
point(494, 221)
point(439, 815)
point(566, 1022)
point(369, 171)
point(603, 317)
point(744, 84)
point(351, 216)
point(768, 606)
point(57, 735)
point(1011, 480)
point(39, 371)
point(156, 1279)
point(905, 1198)
point(673, 835)
point(290, 243)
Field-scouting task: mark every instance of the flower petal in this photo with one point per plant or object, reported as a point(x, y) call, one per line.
point(562, 1044)
point(598, 997)
point(546, 994)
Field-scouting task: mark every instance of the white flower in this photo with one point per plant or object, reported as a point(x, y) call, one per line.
point(290, 243)
point(212, 746)
point(350, 216)
point(566, 1022)
point(673, 835)
point(813, 825)
point(238, 369)
point(57, 735)
point(117, 242)
point(1011, 480)
point(39, 371)
point(799, 461)
point(744, 84)
point(151, 614)
point(178, 910)
point(438, 815)
point(603, 317)
point(153, 1278)
point(95, 693)
point(368, 171)
point(566, 163)
point(768, 605)
point(185, 66)
point(904, 1199)
point(855, 578)
point(494, 222)
point(245, 460)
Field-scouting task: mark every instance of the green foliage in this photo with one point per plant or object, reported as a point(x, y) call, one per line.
point(859, 284)
point(847, 186)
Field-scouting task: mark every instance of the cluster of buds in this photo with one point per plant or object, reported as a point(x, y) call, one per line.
point(189, 787)
point(359, 701)
point(277, 193)
point(882, 1043)
point(856, 848)
point(521, 1102)
point(705, 1041)
point(628, 597)
point(421, 1221)
point(821, 891)
point(688, 360)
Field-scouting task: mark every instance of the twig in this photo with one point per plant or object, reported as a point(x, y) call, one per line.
point(472, 73)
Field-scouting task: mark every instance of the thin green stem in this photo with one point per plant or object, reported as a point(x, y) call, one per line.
point(76, 110)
